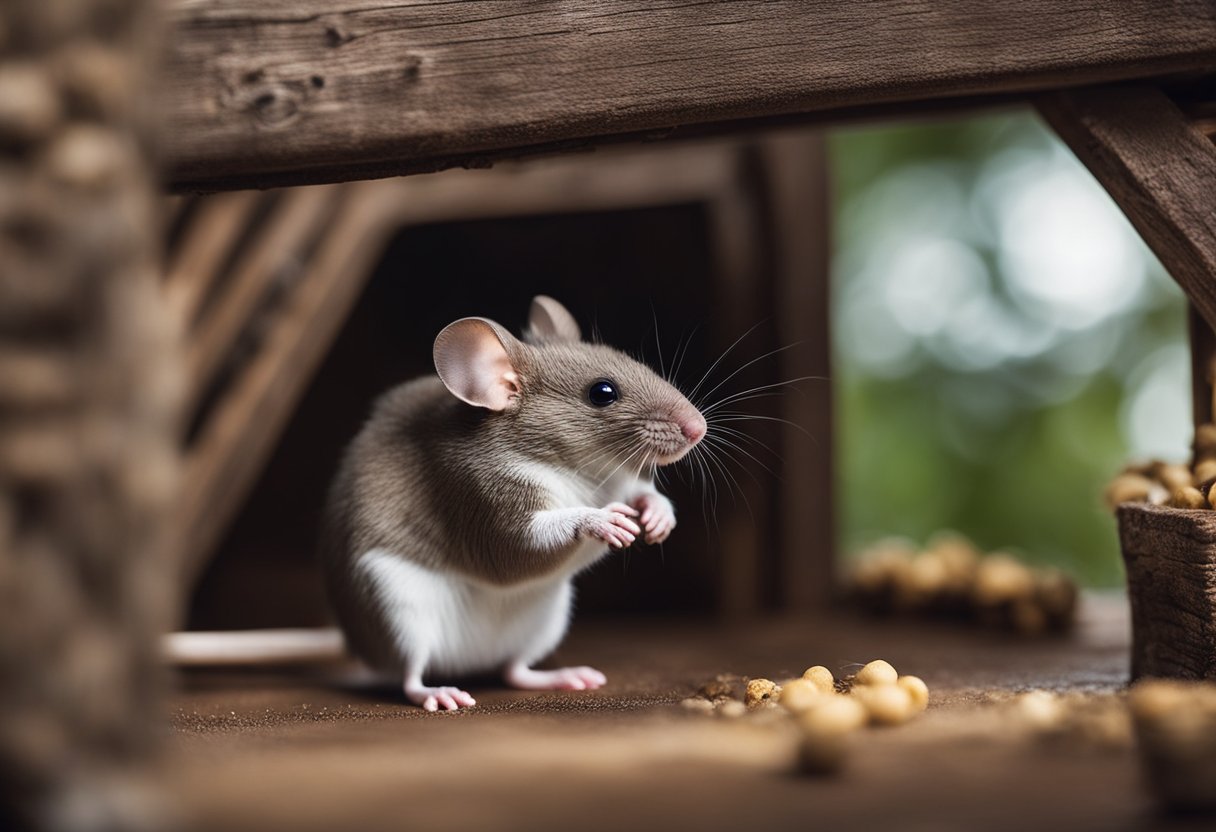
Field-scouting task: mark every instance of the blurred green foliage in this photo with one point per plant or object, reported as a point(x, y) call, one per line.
point(1004, 342)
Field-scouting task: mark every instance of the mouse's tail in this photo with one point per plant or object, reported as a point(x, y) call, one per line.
point(254, 647)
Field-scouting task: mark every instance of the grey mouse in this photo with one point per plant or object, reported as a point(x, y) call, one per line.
point(465, 506)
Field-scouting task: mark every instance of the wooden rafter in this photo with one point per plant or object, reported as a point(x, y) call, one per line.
point(1158, 166)
point(197, 261)
point(278, 250)
point(298, 91)
point(1158, 161)
point(222, 465)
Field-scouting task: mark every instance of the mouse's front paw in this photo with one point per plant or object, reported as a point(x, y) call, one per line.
point(612, 524)
point(658, 516)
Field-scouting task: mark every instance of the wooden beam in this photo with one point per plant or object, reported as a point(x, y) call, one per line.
point(295, 91)
point(742, 508)
point(1160, 169)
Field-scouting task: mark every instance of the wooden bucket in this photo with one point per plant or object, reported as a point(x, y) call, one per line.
point(1170, 556)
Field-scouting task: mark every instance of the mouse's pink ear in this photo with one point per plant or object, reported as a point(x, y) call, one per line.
point(548, 320)
point(472, 361)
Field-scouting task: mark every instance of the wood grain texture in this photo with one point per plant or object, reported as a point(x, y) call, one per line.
point(1170, 556)
point(277, 92)
point(1160, 169)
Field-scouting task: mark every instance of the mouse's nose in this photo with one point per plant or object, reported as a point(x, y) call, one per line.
point(693, 427)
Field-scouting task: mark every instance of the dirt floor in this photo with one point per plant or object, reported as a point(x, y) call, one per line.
point(316, 751)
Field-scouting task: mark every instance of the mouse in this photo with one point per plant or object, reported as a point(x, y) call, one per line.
point(470, 499)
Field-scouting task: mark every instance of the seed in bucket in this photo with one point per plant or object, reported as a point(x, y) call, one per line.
point(1187, 497)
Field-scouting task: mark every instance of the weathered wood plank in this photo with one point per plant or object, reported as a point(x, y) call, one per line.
point(293, 91)
point(1159, 168)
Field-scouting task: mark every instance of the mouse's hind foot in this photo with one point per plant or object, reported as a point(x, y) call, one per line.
point(564, 678)
point(432, 699)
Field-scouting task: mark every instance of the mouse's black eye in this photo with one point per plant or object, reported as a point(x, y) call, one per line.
point(602, 393)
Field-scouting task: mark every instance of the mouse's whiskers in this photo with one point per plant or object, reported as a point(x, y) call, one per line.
point(613, 452)
point(725, 353)
point(759, 392)
point(713, 454)
point(720, 429)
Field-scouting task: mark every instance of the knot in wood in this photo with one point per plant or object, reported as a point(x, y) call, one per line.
point(274, 104)
point(412, 68)
point(336, 31)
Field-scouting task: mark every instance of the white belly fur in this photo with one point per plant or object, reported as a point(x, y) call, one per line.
point(453, 624)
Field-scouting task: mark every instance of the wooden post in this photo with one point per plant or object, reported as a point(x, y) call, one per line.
point(742, 515)
point(87, 411)
point(796, 168)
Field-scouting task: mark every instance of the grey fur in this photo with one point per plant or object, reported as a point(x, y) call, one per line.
point(437, 480)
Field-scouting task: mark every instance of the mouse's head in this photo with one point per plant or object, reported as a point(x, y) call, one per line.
point(578, 401)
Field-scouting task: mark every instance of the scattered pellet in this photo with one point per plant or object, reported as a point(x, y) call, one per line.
point(697, 705)
point(760, 692)
point(877, 672)
point(951, 578)
point(1175, 726)
point(1001, 579)
point(821, 678)
point(731, 709)
point(886, 704)
point(1039, 709)
point(798, 695)
point(917, 690)
point(834, 713)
